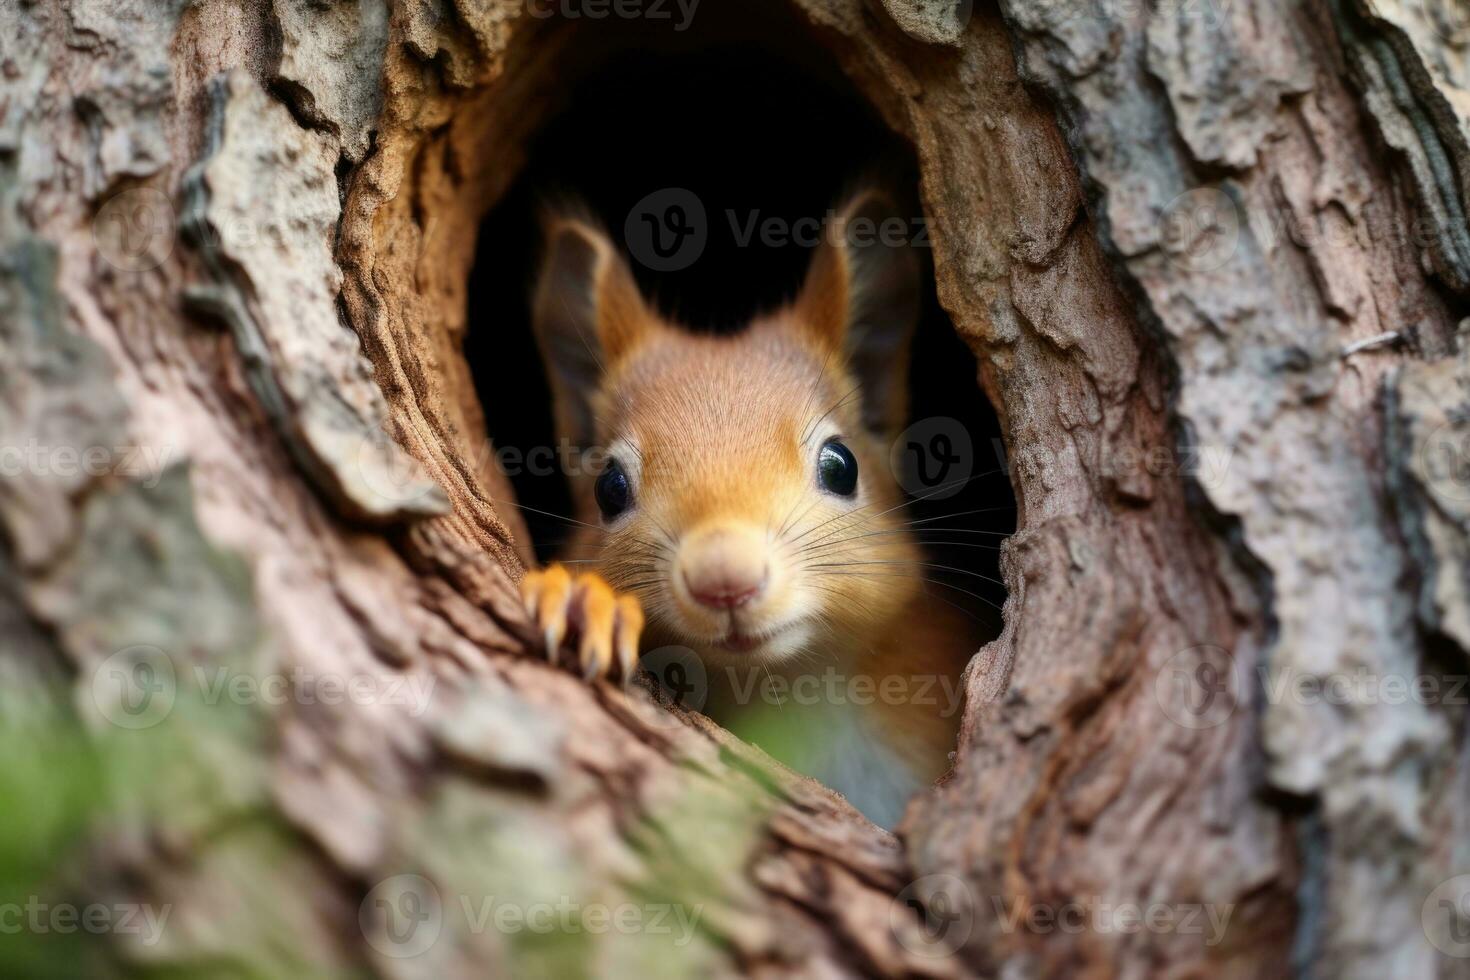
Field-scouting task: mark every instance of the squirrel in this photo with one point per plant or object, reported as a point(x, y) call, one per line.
point(746, 509)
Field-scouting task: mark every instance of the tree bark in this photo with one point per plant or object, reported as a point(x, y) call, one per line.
point(1212, 259)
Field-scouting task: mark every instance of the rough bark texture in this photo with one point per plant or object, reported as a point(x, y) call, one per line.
point(1211, 258)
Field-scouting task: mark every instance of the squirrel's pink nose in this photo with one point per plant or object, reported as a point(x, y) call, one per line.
point(723, 594)
point(723, 569)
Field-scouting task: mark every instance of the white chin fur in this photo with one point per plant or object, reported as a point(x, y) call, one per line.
point(791, 641)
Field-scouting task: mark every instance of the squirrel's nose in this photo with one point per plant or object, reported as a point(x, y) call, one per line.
point(723, 593)
point(723, 569)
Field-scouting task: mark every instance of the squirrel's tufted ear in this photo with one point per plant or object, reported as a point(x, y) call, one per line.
point(861, 299)
point(587, 313)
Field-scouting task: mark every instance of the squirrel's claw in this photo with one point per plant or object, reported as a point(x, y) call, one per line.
point(630, 625)
point(599, 618)
point(603, 621)
point(547, 595)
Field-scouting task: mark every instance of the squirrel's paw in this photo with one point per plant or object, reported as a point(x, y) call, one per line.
point(605, 624)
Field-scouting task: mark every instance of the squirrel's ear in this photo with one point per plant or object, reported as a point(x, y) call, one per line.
point(861, 298)
point(587, 313)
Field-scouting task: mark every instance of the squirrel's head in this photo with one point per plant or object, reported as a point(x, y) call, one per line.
point(743, 492)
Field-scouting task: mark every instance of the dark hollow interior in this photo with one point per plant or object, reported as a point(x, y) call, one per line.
point(755, 121)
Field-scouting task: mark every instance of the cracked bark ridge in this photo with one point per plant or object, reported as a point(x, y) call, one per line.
point(330, 63)
point(1261, 254)
point(931, 21)
point(262, 208)
point(1415, 89)
point(242, 559)
point(1429, 410)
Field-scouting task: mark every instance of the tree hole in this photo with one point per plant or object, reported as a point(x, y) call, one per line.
point(761, 129)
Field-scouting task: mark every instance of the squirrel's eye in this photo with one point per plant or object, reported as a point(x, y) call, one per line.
point(612, 491)
point(837, 468)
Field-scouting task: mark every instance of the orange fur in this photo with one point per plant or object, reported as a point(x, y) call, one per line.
point(719, 436)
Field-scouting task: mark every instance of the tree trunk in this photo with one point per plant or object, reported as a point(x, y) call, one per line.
point(1211, 258)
